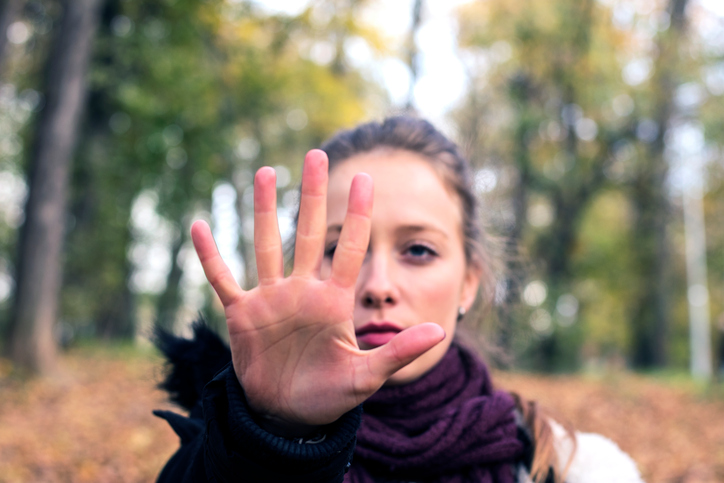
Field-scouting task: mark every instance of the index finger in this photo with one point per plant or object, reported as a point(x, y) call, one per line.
point(217, 273)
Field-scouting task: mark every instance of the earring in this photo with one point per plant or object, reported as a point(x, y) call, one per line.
point(461, 313)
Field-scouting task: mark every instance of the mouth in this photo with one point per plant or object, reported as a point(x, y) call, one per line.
point(375, 334)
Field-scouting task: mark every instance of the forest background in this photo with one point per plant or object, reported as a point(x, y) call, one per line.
point(595, 128)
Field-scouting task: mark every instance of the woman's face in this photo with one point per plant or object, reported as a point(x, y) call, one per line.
point(415, 269)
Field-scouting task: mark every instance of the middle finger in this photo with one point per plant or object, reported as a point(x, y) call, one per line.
point(312, 224)
point(267, 240)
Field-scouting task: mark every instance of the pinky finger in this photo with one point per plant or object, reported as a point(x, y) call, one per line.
point(217, 273)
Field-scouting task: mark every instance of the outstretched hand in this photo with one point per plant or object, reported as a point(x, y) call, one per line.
point(292, 338)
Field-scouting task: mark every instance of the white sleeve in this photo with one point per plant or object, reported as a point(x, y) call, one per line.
point(597, 459)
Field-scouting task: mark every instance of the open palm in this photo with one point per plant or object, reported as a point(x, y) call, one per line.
point(292, 338)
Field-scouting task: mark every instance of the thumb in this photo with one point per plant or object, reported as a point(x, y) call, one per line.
point(404, 348)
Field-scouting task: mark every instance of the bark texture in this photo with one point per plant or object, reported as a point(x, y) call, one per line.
point(652, 313)
point(32, 342)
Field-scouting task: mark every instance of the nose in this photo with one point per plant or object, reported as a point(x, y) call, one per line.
point(376, 288)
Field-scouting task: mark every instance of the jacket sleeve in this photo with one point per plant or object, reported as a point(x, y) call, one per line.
point(224, 443)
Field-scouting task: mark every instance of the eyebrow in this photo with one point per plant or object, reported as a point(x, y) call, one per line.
point(402, 229)
point(420, 228)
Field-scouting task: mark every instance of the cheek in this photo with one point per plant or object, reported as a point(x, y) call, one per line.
point(434, 293)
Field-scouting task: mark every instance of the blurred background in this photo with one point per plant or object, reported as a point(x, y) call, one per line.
point(596, 129)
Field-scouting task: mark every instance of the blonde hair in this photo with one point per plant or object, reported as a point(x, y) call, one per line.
point(545, 456)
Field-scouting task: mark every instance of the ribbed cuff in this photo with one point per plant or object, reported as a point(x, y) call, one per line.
point(333, 452)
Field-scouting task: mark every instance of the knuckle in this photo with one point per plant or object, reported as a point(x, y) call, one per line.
point(359, 215)
point(313, 193)
point(395, 354)
point(268, 247)
point(233, 298)
point(220, 279)
point(307, 235)
point(352, 249)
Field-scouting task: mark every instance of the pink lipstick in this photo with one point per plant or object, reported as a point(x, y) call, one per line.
point(375, 334)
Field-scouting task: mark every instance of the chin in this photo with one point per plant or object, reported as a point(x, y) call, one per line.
point(403, 376)
point(420, 366)
point(417, 368)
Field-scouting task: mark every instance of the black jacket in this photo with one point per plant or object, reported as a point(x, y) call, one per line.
point(221, 441)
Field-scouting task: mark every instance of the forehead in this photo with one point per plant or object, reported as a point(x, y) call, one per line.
point(408, 190)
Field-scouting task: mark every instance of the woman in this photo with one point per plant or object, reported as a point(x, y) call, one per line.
point(368, 315)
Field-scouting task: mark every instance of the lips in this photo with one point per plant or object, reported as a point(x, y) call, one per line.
point(375, 334)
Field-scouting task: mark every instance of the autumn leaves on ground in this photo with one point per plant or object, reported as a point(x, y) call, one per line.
point(93, 422)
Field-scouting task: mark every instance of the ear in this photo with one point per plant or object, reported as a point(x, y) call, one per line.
point(470, 287)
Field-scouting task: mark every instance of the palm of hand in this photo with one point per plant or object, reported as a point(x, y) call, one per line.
point(292, 339)
point(303, 338)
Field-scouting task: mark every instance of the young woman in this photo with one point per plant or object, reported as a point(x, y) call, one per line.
point(348, 369)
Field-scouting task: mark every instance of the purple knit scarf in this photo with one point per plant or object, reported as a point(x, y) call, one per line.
point(448, 426)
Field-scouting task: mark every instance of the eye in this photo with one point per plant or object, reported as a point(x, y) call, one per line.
point(329, 250)
point(419, 253)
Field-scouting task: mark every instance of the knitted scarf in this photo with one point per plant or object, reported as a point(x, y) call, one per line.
point(449, 426)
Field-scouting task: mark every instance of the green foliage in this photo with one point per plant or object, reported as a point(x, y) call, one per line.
point(188, 94)
point(176, 86)
point(554, 110)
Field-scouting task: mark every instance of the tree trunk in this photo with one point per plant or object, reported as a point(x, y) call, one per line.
point(652, 314)
point(9, 10)
point(32, 344)
point(413, 56)
point(516, 269)
point(115, 319)
point(170, 300)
